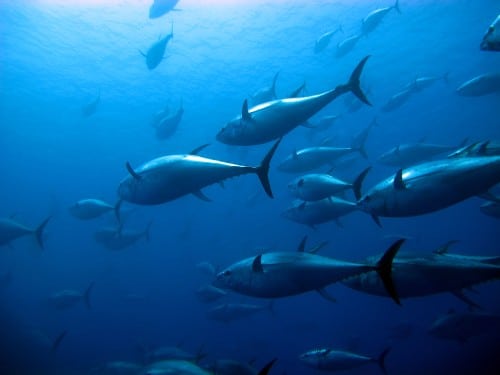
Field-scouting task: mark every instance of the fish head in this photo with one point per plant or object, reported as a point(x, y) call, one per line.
point(296, 186)
point(491, 39)
point(74, 209)
point(127, 188)
point(232, 132)
point(236, 277)
point(296, 212)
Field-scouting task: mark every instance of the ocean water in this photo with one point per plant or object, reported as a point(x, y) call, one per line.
point(56, 56)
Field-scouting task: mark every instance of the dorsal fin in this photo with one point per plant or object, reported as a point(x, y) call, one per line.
point(398, 181)
point(302, 245)
point(257, 264)
point(197, 150)
point(131, 171)
point(245, 115)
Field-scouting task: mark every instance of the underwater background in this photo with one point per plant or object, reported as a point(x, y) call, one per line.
point(57, 56)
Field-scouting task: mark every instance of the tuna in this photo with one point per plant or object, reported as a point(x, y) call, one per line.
point(398, 100)
point(324, 40)
point(282, 274)
point(155, 53)
point(430, 186)
point(68, 298)
point(346, 46)
point(373, 19)
point(491, 40)
point(234, 311)
point(161, 7)
point(421, 83)
point(167, 126)
point(119, 239)
point(87, 209)
point(209, 293)
point(317, 186)
point(265, 94)
point(328, 359)
point(173, 176)
point(310, 158)
point(11, 230)
point(484, 84)
point(274, 119)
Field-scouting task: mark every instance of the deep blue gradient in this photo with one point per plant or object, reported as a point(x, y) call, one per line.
point(56, 56)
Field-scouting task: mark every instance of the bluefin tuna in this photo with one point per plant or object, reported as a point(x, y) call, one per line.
point(481, 85)
point(373, 19)
point(282, 274)
point(491, 40)
point(161, 7)
point(324, 40)
point(317, 186)
point(228, 312)
point(168, 125)
point(328, 359)
point(319, 212)
point(461, 326)
point(310, 158)
point(209, 293)
point(11, 230)
point(421, 83)
point(430, 186)
point(87, 209)
point(119, 239)
point(174, 366)
point(265, 94)
point(173, 176)
point(155, 53)
point(272, 120)
point(398, 100)
point(347, 45)
point(67, 298)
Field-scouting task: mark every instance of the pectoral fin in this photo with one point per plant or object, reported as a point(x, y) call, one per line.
point(199, 194)
point(131, 171)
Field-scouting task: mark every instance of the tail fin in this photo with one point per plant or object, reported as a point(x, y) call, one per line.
point(396, 6)
point(265, 370)
point(57, 341)
point(381, 360)
point(384, 269)
point(353, 83)
point(263, 170)
point(86, 295)
point(358, 182)
point(39, 232)
point(273, 87)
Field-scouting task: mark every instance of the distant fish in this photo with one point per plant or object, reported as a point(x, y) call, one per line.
point(119, 239)
point(209, 293)
point(461, 326)
point(161, 7)
point(424, 82)
point(234, 311)
point(90, 108)
point(174, 367)
point(486, 148)
point(121, 368)
point(326, 122)
point(165, 353)
point(316, 186)
point(159, 115)
point(155, 53)
point(11, 230)
point(265, 94)
point(484, 84)
point(170, 177)
point(491, 40)
point(323, 41)
point(311, 158)
point(345, 46)
point(373, 19)
point(67, 298)
point(328, 359)
point(168, 125)
point(206, 268)
point(398, 99)
point(86, 209)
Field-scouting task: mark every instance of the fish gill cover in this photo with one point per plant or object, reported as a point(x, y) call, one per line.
point(85, 87)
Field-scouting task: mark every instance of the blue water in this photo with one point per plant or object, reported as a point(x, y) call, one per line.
point(55, 56)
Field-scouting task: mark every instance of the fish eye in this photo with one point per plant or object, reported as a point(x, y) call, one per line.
point(226, 273)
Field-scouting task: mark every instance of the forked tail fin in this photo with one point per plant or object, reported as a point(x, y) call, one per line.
point(381, 360)
point(39, 232)
point(263, 169)
point(384, 269)
point(354, 84)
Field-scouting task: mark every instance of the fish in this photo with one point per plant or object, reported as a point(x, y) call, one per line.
point(491, 209)
point(328, 359)
point(373, 19)
point(159, 115)
point(346, 46)
point(87, 209)
point(398, 100)
point(165, 353)
point(90, 108)
point(156, 51)
point(173, 176)
point(265, 94)
point(408, 154)
point(67, 298)
point(320, 211)
point(491, 39)
point(209, 293)
point(462, 326)
point(11, 230)
point(486, 148)
point(283, 274)
point(161, 7)
point(228, 312)
point(325, 122)
point(168, 125)
point(118, 239)
point(121, 368)
point(272, 120)
point(430, 186)
point(421, 83)
point(310, 158)
point(481, 85)
point(174, 366)
point(206, 268)
point(420, 275)
point(324, 40)
point(316, 186)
